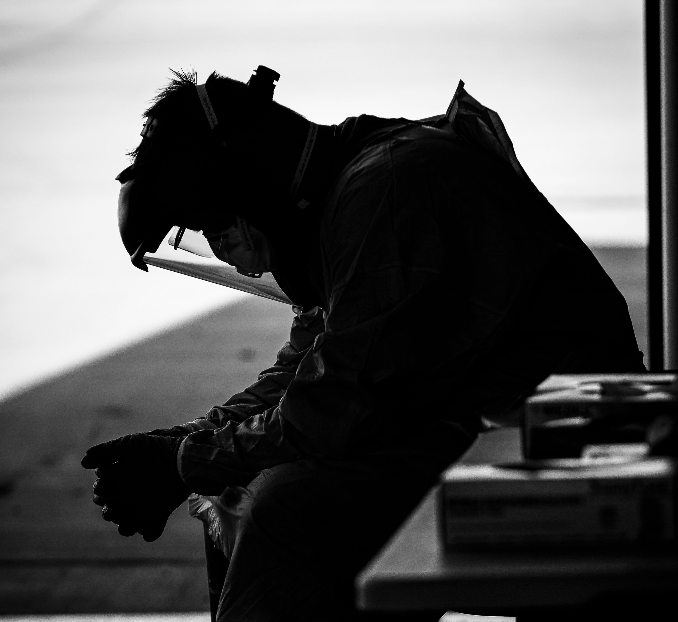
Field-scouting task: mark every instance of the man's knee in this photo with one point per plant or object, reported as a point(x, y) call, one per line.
point(281, 504)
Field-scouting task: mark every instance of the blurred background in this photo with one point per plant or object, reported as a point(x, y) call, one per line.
point(93, 348)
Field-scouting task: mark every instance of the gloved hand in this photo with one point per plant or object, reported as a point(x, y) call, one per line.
point(139, 484)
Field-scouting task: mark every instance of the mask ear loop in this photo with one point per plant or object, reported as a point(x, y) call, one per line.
point(177, 238)
point(303, 164)
point(221, 243)
point(305, 158)
point(244, 230)
point(242, 226)
point(207, 107)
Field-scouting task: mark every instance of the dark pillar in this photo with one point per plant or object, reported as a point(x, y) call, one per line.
point(668, 68)
point(655, 319)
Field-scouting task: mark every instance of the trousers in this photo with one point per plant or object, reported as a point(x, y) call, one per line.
point(294, 539)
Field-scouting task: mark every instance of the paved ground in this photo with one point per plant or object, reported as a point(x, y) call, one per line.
point(56, 555)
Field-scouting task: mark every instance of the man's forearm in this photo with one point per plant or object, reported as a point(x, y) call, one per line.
point(211, 459)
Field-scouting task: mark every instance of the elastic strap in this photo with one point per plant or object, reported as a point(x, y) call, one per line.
point(305, 154)
point(178, 237)
point(207, 106)
point(303, 162)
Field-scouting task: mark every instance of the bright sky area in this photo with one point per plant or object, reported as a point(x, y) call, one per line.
point(566, 77)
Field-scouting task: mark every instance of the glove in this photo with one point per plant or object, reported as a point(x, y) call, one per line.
point(138, 483)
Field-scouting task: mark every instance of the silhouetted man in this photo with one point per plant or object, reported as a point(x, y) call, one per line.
point(434, 288)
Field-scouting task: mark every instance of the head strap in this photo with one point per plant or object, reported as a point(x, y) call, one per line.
point(207, 106)
point(211, 115)
point(303, 163)
point(262, 83)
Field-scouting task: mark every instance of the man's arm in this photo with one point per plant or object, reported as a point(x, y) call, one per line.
point(139, 483)
point(270, 386)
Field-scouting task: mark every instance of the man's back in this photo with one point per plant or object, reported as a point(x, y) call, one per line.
point(449, 283)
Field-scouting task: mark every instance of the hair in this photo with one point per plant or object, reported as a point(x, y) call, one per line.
point(183, 127)
point(182, 80)
point(183, 133)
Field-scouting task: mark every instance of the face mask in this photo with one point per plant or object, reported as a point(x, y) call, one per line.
point(244, 247)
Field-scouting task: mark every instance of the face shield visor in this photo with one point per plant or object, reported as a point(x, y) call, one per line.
point(188, 252)
point(145, 219)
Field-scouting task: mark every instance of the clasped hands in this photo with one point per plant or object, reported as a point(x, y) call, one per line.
point(138, 484)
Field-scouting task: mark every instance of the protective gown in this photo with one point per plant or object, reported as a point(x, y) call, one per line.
point(442, 289)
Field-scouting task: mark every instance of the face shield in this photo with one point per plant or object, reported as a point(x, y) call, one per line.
point(188, 252)
point(145, 217)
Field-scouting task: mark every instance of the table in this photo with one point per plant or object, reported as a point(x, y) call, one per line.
point(413, 572)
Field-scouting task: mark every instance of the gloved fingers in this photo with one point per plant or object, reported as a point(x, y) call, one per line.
point(153, 525)
point(150, 523)
point(120, 483)
point(122, 514)
point(120, 468)
point(145, 505)
point(128, 521)
point(138, 487)
point(127, 530)
point(147, 491)
point(152, 535)
point(123, 477)
point(109, 514)
point(122, 506)
point(101, 488)
point(128, 526)
point(119, 514)
point(105, 453)
point(146, 494)
point(131, 467)
point(115, 502)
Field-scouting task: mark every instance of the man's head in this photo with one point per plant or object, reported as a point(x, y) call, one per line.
point(186, 174)
point(151, 204)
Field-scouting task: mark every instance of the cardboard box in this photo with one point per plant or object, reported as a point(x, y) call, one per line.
point(567, 412)
point(559, 503)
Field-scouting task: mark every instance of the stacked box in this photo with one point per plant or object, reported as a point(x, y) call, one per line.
point(568, 412)
point(564, 503)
